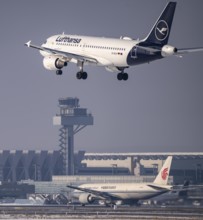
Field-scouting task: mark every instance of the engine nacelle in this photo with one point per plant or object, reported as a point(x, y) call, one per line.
point(86, 198)
point(53, 63)
point(168, 50)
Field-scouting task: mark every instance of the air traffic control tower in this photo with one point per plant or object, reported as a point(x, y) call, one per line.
point(73, 119)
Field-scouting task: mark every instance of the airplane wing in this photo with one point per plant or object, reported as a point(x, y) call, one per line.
point(97, 193)
point(62, 53)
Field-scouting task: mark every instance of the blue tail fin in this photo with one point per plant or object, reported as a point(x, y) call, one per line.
point(161, 30)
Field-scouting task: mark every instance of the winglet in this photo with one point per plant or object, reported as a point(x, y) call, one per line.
point(28, 43)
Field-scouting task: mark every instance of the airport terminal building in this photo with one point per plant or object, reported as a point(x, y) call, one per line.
point(17, 165)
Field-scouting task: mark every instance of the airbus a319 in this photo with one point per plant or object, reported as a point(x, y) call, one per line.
point(116, 55)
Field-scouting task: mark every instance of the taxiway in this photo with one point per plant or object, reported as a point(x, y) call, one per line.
point(100, 212)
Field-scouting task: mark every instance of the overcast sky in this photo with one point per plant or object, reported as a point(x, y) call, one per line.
point(160, 107)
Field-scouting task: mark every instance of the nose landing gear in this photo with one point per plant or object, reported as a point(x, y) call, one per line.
point(59, 72)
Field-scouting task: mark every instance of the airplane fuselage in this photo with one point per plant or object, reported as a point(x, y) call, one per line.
point(126, 191)
point(109, 52)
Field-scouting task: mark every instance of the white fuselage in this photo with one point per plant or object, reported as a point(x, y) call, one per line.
point(126, 191)
point(107, 51)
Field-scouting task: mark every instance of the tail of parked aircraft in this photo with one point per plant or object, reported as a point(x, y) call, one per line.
point(160, 32)
point(184, 191)
point(162, 177)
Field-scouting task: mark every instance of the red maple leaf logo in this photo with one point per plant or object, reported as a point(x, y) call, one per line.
point(164, 173)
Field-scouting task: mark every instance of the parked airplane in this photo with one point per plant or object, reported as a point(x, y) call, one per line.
point(114, 54)
point(126, 193)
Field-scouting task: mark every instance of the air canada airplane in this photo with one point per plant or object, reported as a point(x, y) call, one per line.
point(115, 55)
point(126, 193)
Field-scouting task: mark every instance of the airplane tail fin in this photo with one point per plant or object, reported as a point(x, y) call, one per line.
point(162, 177)
point(160, 32)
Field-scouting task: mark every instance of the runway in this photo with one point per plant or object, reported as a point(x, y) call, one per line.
point(100, 212)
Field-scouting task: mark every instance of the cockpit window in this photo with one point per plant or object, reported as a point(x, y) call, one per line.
point(45, 42)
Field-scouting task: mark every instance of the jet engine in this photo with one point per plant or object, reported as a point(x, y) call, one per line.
point(53, 63)
point(168, 50)
point(86, 198)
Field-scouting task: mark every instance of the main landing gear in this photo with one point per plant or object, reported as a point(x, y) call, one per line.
point(122, 76)
point(81, 75)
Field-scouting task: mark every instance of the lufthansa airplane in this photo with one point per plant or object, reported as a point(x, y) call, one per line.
point(115, 55)
point(124, 193)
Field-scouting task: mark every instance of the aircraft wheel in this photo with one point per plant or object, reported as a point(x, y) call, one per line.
point(84, 75)
point(120, 76)
point(125, 76)
point(79, 75)
point(59, 72)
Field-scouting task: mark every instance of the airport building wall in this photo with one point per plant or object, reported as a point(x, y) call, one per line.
point(185, 165)
point(17, 165)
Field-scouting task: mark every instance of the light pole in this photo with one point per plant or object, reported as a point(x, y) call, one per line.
point(155, 168)
point(198, 169)
point(113, 166)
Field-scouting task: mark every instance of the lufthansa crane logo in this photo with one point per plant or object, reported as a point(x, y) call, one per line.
point(161, 30)
point(164, 173)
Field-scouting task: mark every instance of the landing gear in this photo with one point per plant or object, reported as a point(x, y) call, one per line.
point(81, 75)
point(59, 72)
point(122, 76)
point(59, 64)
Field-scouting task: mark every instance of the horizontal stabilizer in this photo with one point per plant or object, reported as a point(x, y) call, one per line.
point(158, 187)
point(189, 50)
